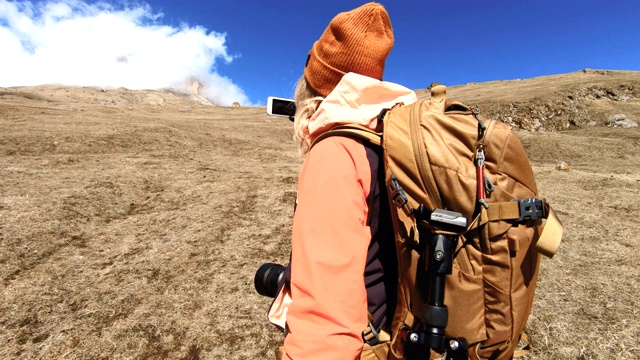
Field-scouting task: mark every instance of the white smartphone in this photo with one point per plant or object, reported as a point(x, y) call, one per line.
point(281, 107)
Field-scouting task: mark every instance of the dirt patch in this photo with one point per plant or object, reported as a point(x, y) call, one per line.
point(131, 229)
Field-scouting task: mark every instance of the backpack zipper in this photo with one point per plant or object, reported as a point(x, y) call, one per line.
point(421, 153)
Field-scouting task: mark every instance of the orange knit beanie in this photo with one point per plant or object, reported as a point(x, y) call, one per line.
point(355, 41)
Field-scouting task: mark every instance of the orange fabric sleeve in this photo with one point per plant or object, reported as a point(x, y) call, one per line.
point(329, 252)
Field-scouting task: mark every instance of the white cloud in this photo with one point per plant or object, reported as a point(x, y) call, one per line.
point(81, 44)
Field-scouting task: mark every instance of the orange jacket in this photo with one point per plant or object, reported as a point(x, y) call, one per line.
point(326, 308)
point(328, 253)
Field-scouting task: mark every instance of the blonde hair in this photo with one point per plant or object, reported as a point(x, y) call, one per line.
point(307, 102)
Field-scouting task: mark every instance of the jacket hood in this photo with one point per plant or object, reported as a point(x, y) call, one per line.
point(357, 99)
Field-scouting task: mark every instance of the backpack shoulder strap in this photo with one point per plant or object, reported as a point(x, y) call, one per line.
point(352, 131)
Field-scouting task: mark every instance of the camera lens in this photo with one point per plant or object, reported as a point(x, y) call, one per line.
point(268, 278)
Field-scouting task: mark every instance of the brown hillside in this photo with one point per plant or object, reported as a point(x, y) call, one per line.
point(556, 102)
point(132, 222)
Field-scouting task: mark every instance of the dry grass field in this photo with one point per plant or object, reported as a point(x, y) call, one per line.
point(132, 222)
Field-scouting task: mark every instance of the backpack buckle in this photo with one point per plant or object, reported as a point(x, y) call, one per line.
point(531, 209)
point(370, 335)
point(397, 194)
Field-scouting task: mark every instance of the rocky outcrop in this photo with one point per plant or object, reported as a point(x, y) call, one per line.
point(620, 121)
point(560, 110)
point(194, 92)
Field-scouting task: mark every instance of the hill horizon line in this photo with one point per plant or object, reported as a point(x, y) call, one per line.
point(193, 85)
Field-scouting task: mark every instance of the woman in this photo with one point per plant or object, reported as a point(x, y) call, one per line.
point(343, 271)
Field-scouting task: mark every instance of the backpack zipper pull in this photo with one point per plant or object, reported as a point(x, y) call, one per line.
point(480, 178)
point(481, 126)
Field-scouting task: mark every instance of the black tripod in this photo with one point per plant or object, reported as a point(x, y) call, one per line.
point(438, 254)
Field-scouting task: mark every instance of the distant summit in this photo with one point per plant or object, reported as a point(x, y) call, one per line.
point(194, 87)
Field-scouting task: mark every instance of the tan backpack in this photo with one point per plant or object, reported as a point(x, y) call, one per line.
point(441, 154)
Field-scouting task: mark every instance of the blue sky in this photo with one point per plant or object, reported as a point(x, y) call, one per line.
point(258, 48)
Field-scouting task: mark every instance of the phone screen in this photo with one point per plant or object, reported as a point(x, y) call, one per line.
point(283, 107)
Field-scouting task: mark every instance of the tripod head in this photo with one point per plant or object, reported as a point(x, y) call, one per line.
point(448, 220)
point(440, 245)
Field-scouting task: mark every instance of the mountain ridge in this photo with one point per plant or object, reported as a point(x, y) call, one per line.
point(546, 103)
